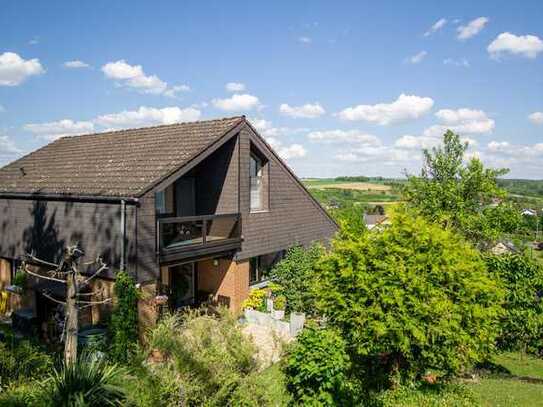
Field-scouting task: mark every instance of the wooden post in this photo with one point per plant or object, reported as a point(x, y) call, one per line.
point(71, 327)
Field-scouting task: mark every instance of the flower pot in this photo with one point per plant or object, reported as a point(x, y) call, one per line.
point(278, 314)
point(269, 304)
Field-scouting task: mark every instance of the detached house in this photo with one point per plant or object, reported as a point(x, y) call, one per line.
point(194, 211)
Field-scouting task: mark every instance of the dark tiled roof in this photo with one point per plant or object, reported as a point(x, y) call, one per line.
point(114, 164)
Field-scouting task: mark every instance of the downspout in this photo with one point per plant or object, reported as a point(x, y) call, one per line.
point(123, 236)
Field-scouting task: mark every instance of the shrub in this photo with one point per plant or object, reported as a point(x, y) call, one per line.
point(22, 361)
point(316, 368)
point(20, 278)
point(209, 356)
point(124, 320)
point(280, 303)
point(522, 323)
point(445, 395)
point(410, 299)
point(256, 300)
point(295, 275)
point(90, 382)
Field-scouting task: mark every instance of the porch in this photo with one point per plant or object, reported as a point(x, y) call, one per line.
point(215, 281)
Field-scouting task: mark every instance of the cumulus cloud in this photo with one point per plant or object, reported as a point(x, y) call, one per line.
point(14, 70)
point(76, 64)
point(418, 57)
point(466, 121)
point(416, 142)
point(536, 117)
point(53, 130)
point(307, 111)
point(8, 149)
point(438, 25)
point(383, 154)
point(147, 116)
point(235, 87)
point(237, 102)
point(133, 76)
point(471, 29)
point(305, 40)
point(286, 152)
point(406, 107)
point(344, 136)
point(527, 46)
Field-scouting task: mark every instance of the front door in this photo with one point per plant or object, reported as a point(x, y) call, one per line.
point(183, 285)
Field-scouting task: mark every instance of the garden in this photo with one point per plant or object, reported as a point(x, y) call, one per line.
point(420, 313)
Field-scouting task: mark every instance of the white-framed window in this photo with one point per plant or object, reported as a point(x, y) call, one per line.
point(160, 202)
point(255, 175)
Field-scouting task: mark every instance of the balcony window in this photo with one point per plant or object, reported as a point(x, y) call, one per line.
point(261, 266)
point(255, 173)
point(160, 202)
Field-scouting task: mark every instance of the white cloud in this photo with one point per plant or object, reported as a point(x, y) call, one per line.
point(472, 28)
point(177, 89)
point(237, 102)
point(418, 57)
point(382, 154)
point(133, 76)
point(404, 108)
point(438, 25)
point(536, 117)
point(266, 128)
point(524, 45)
point(8, 149)
point(305, 40)
point(14, 70)
point(409, 142)
point(463, 62)
point(307, 111)
point(54, 130)
point(344, 136)
point(235, 87)
point(147, 116)
point(287, 152)
point(468, 121)
point(75, 64)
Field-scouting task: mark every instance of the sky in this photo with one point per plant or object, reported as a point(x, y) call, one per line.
point(336, 87)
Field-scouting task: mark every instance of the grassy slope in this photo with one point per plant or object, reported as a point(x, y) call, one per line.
point(515, 388)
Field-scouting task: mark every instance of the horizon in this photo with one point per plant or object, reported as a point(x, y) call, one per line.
point(314, 80)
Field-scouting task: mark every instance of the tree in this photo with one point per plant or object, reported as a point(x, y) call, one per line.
point(67, 272)
point(295, 275)
point(411, 298)
point(458, 194)
point(522, 323)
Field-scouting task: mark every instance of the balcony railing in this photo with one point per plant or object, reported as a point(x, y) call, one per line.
point(181, 236)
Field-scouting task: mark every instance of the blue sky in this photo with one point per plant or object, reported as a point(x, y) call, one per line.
point(338, 88)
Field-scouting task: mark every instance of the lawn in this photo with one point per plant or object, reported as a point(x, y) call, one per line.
point(520, 384)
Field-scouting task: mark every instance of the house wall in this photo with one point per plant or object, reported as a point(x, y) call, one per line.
point(228, 279)
point(293, 217)
point(47, 227)
point(145, 257)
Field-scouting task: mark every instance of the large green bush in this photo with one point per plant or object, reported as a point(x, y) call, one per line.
point(295, 275)
point(522, 323)
point(317, 368)
point(124, 320)
point(410, 299)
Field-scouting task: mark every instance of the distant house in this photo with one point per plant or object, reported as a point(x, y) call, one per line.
point(195, 212)
point(375, 220)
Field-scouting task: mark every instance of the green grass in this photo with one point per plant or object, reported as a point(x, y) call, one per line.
point(521, 384)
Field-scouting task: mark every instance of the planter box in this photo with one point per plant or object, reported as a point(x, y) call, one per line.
point(278, 314)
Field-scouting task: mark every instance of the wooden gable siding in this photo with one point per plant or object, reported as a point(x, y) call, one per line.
point(293, 217)
point(48, 226)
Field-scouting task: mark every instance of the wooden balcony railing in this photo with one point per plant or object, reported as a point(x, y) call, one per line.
point(183, 236)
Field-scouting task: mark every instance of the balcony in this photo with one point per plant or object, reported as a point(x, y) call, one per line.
point(191, 236)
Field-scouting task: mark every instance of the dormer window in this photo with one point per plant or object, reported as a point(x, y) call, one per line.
point(255, 173)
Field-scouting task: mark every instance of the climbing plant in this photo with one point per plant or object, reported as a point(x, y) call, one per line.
point(124, 320)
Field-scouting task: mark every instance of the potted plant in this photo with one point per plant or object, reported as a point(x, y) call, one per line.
point(279, 305)
point(18, 283)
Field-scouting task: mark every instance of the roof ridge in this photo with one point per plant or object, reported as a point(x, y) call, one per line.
point(242, 117)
